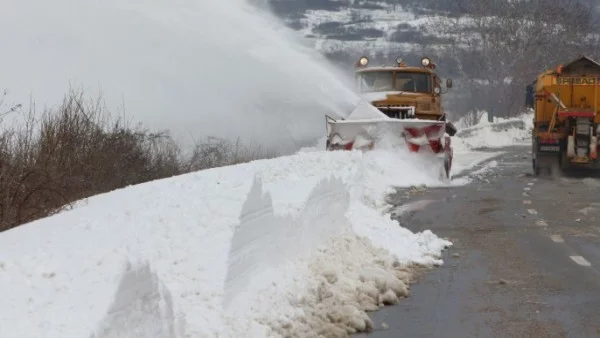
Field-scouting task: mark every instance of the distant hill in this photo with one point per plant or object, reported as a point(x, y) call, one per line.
point(492, 49)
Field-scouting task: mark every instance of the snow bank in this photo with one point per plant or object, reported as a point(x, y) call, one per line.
point(286, 246)
point(502, 132)
point(471, 140)
point(466, 159)
point(141, 307)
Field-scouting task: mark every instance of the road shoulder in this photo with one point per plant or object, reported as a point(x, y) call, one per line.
point(505, 276)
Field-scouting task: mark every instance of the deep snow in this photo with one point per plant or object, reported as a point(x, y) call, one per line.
point(502, 132)
point(294, 245)
point(157, 253)
point(472, 139)
point(197, 68)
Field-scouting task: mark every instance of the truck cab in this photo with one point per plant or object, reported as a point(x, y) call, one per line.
point(403, 92)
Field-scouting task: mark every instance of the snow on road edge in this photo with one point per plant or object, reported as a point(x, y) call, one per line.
point(502, 132)
point(473, 144)
point(154, 257)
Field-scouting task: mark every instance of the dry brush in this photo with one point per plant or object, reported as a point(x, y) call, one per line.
point(50, 160)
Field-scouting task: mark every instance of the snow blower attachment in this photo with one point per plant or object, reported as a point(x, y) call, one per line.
point(400, 103)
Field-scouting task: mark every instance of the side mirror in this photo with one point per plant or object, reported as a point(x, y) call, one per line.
point(449, 83)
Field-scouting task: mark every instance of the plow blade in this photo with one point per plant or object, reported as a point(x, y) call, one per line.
point(420, 136)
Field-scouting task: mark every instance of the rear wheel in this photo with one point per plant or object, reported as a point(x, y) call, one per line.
point(545, 164)
point(536, 167)
point(443, 174)
point(447, 169)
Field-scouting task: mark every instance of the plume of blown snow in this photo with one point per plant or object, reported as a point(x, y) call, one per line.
point(198, 68)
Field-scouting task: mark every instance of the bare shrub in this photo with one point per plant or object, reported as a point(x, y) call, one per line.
point(217, 152)
point(79, 150)
point(501, 46)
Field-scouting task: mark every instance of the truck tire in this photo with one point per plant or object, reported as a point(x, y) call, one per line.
point(563, 162)
point(536, 167)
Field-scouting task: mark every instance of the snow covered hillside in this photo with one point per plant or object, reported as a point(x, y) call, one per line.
point(297, 245)
point(382, 28)
point(471, 41)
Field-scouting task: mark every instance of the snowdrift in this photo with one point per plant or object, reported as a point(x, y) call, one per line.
point(474, 144)
point(294, 245)
point(502, 132)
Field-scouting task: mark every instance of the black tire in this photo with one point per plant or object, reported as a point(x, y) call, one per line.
point(563, 162)
point(534, 163)
point(536, 167)
point(447, 168)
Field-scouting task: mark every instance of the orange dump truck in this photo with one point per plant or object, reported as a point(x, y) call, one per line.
point(566, 125)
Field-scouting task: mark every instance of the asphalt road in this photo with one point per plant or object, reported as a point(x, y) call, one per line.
point(525, 260)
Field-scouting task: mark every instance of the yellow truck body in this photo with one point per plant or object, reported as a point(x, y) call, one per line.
point(566, 104)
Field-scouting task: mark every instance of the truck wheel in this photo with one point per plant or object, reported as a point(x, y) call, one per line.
point(536, 167)
point(445, 172)
point(563, 162)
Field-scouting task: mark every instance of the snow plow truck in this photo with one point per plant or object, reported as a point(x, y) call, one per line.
point(566, 123)
point(399, 100)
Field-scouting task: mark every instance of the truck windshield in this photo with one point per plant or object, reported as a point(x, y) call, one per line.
point(413, 82)
point(376, 81)
point(383, 81)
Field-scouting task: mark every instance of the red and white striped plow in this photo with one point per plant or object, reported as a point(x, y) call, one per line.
point(420, 136)
point(433, 136)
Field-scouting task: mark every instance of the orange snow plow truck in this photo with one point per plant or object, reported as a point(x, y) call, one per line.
point(566, 124)
point(401, 101)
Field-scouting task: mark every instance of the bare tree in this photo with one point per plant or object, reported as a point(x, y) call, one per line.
point(499, 46)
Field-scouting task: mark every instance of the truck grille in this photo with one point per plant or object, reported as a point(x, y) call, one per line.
point(397, 111)
point(424, 106)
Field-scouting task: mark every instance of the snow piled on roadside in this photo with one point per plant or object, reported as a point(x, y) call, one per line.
point(471, 140)
point(291, 246)
point(502, 132)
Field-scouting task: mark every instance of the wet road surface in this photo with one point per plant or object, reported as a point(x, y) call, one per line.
point(525, 260)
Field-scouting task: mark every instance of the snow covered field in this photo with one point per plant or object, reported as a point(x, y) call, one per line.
point(298, 244)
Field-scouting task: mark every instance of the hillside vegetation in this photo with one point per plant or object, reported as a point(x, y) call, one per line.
point(79, 150)
point(492, 49)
